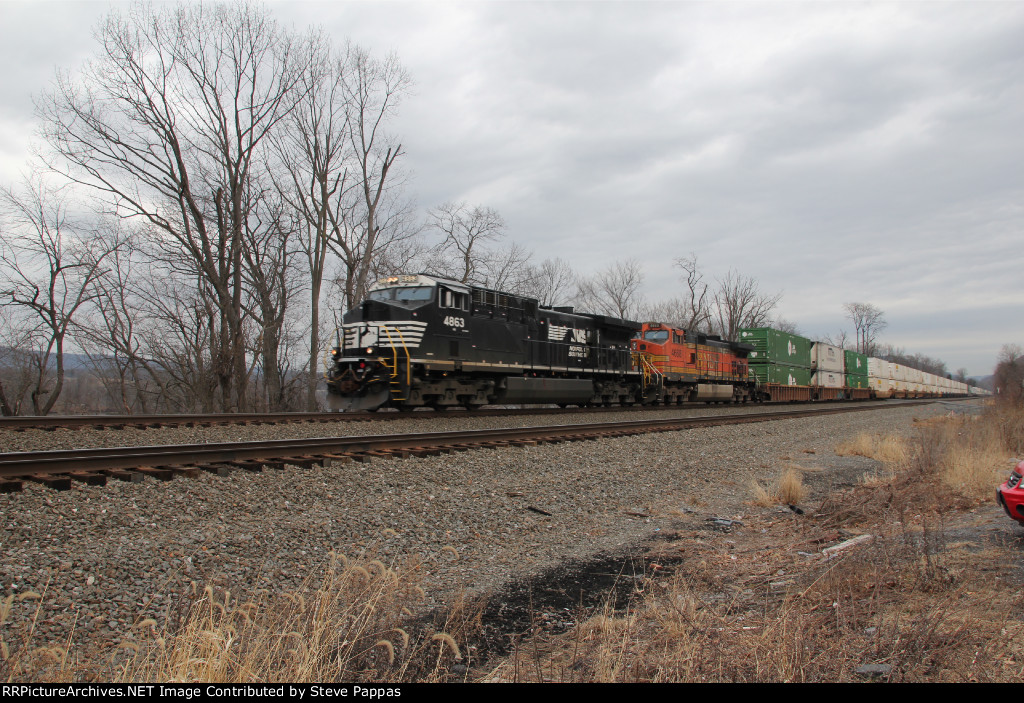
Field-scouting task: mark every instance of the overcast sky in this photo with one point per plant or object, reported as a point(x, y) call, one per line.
point(837, 152)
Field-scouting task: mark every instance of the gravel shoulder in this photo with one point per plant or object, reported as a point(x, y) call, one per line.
point(105, 558)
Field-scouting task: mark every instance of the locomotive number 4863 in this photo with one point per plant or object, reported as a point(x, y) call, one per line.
point(452, 321)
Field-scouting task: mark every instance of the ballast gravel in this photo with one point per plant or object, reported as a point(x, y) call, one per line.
point(104, 558)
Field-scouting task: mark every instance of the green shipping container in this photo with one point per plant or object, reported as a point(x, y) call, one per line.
point(856, 364)
point(854, 381)
point(774, 346)
point(782, 374)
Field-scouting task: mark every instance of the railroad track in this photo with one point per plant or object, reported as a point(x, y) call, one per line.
point(59, 469)
point(120, 422)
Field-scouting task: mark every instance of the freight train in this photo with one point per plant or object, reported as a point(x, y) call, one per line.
point(425, 341)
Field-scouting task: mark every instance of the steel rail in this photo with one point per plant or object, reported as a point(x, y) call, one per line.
point(52, 422)
point(20, 464)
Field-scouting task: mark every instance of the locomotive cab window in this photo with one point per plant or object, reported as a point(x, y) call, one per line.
point(656, 336)
point(411, 297)
point(453, 299)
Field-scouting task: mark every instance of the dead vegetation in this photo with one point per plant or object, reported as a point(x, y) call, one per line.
point(787, 489)
point(355, 624)
point(897, 600)
point(881, 582)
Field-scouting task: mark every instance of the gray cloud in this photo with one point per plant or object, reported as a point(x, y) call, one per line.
point(836, 151)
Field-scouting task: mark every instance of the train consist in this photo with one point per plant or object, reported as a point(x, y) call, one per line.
point(424, 341)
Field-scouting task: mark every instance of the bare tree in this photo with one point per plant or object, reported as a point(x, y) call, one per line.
point(613, 291)
point(165, 125)
point(868, 321)
point(270, 279)
point(372, 90)
point(50, 266)
point(739, 303)
point(552, 282)
point(109, 333)
point(337, 170)
point(695, 310)
point(1008, 378)
point(466, 232)
point(18, 361)
point(181, 341)
point(781, 323)
point(671, 312)
point(508, 269)
point(840, 339)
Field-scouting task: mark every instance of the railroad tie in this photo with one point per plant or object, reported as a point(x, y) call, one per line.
point(306, 462)
point(89, 478)
point(11, 486)
point(54, 481)
point(336, 459)
point(449, 448)
point(122, 475)
point(158, 474)
point(186, 471)
point(424, 451)
point(216, 469)
point(247, 465)
point(380, 453)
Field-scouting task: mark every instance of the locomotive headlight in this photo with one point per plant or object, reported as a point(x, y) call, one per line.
point(369, 350)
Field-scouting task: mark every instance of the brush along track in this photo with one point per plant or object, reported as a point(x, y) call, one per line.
point(58, 469)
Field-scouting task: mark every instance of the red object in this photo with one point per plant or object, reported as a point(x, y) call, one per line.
point(683, 355)
point(1011, 494)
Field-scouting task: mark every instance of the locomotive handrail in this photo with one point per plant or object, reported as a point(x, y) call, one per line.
point(394, 349)
point(647, 369)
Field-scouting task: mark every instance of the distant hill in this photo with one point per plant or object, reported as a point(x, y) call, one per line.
point(72, 362)
point(985, 382)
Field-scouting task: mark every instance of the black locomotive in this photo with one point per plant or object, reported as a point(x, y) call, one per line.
point(420, 340)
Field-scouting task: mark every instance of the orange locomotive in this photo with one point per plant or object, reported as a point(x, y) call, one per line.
point(681, 365)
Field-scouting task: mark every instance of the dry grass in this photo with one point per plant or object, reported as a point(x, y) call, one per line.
point(899, 603)
point(974, 456)
point(787, 489)
point(766, 606)
point(888, 449)
point(355, 624)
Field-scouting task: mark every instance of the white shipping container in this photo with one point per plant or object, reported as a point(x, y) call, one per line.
point(826, 358)
point(827, 379)
point(880, 386)
point(878, 368)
